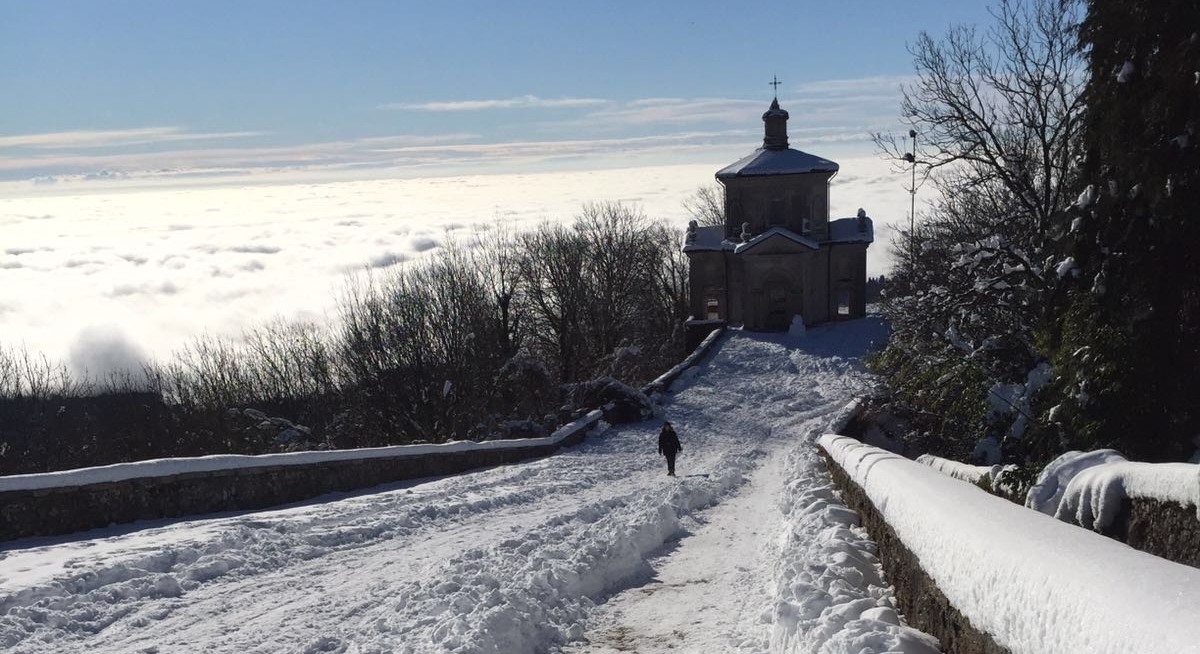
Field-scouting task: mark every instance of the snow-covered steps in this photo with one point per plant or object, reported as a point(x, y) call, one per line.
point(1030, 583)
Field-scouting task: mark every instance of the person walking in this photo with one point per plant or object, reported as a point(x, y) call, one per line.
point(668, 446)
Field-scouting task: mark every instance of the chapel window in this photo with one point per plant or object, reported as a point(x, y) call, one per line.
point(775, 212)
point(712, 309)
point(843, 302)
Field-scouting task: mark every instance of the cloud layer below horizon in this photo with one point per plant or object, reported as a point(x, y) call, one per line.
point(98, 279)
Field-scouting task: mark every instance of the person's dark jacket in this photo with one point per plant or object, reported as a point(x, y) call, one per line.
point(668, 441)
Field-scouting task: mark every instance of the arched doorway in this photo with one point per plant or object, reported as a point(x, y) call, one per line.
point(780, 301)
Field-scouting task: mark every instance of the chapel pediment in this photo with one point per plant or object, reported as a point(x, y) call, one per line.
point(777, 240)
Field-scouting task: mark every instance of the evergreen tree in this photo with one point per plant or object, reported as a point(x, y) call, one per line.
point(1127, 347)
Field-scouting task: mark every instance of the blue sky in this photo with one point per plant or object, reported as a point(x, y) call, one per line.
point(209, 87)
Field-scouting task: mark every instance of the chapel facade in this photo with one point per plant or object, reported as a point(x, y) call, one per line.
point(778, 255)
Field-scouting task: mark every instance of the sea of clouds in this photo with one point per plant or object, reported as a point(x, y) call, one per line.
point(105, 279)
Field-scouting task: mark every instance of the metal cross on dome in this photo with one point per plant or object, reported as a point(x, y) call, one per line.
point(775, 83)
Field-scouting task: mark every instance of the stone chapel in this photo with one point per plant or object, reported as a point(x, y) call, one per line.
point(778, 255)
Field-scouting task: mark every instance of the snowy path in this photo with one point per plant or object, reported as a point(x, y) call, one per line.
point(510, 559)
point(708, 593)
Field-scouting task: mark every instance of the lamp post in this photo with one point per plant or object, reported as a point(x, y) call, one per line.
point(911, 157)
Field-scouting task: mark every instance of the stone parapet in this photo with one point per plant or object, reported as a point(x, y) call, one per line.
point(65, 509)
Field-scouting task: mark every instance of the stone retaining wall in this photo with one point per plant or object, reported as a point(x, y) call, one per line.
point(65, 509)
point(1165, 529)
point(923, 604)
point(664, 381)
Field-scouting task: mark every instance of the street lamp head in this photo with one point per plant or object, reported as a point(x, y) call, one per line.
point(912, 133)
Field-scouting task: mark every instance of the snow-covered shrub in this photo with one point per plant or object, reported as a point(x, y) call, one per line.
point(619, 402)
point(628, 362)
point(525, 387)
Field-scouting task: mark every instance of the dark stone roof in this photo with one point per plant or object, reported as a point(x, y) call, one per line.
point(777, 162)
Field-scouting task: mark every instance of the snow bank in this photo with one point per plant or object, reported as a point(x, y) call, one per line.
point(168, 467)
point(964, 471)
point(1095, 495)
point(1052, 481)
point(830, 592)
point(1033, 583)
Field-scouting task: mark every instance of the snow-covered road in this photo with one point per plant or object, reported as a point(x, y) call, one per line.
point(592, 550)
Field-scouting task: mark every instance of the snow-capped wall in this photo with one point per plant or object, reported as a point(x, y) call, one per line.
point(1032, 583)
point(663, 382)
point(964, 471)
point(1154, 507)
point(74, 500)
point(1096, 495)
point(218, 462)
point(1047, 491)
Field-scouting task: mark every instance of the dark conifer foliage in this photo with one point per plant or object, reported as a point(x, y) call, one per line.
point(1128, 341)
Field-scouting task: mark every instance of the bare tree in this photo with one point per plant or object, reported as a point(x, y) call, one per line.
point(707, 205)
point(556, 290)
point(1007, 104)
point(619, 269)
point(498, 263)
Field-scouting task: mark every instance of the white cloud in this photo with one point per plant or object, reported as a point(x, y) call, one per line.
point(113, 138)
point(519, 102)
point(99, 351)
point(216, 161)
point(338, 160)
point(166, 285)
point(423, 243)
point(823, 111)
point(857, 86)
point(676, 110)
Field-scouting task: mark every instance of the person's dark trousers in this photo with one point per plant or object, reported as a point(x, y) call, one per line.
point(671, 463)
